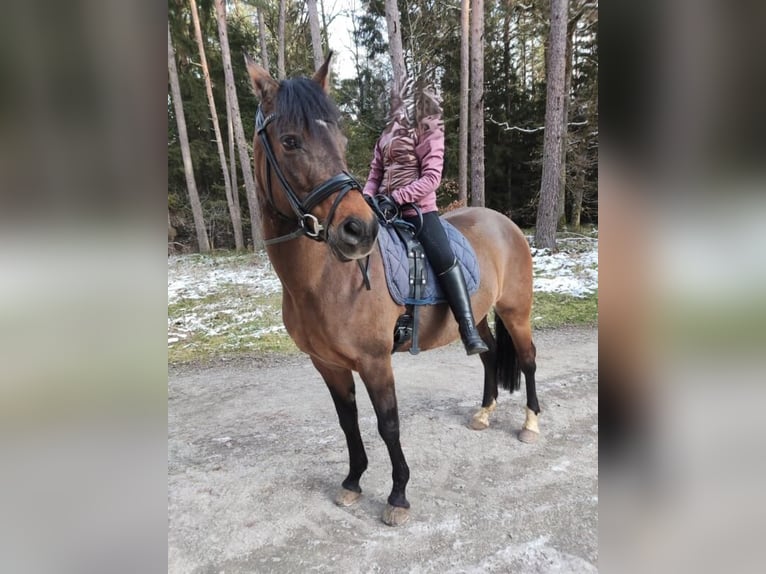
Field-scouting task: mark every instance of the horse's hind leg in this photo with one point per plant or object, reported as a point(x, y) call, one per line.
point(341, 385)
point(480, 420)
point(520, 331)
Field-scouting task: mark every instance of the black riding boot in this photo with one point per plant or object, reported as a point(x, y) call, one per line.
point(453, 283)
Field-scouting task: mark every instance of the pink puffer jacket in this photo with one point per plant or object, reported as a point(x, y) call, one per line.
point(407, 164)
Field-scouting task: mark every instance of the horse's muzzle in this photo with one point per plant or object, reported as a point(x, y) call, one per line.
point(354, 238)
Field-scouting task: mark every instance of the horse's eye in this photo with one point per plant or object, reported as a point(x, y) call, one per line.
point(290, 143)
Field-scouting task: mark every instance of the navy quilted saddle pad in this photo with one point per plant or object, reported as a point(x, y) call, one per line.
point(396, 266)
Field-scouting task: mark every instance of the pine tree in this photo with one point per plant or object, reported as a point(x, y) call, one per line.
point(236, 219)
point(244, 157)
point(183, 139)
point(477, 103)
point(547, 215)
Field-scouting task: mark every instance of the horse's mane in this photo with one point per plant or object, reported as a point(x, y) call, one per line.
point(301, 101)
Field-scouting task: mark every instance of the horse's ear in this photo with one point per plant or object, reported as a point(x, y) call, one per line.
point(322, 75)
point(264, 85)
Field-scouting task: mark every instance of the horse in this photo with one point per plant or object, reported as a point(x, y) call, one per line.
point(316, 225)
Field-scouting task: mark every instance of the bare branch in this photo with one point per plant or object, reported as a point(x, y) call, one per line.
point(508, 128)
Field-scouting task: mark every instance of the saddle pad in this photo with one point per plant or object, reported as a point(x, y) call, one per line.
point(394, 255)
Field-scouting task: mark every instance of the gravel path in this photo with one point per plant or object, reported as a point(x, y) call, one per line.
point(256, 455)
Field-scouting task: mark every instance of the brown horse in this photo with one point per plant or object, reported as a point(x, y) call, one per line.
point(316, 223)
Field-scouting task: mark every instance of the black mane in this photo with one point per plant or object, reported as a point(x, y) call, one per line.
point(301, 101)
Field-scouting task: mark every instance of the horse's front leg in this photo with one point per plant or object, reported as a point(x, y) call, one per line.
point(341, 384)
point(378, 377)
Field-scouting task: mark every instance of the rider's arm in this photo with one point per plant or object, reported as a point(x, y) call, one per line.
point(376, 172)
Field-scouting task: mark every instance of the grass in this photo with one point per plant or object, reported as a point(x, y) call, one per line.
point(203, 349)
point(236, 323)
point(552, 310)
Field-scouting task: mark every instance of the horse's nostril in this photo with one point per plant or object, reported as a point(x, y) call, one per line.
point(353, 228)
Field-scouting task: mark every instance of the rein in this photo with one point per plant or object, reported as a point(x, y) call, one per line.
point(308, 224)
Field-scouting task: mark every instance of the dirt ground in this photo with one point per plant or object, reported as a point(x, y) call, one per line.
point(256, 455)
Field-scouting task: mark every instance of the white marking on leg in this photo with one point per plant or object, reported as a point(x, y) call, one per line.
point(481, 418)
point(531, 422)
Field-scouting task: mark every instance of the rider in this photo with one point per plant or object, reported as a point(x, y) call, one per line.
point(407, 166)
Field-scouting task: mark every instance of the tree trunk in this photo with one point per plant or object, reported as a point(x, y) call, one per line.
point(281, 74)
point(183, 140)
point(262, 37)
point(236, 219)
point(316, 36)
point(523, 48)
point(545, 232)
point(233, 147)
point(172, 233)
point(577, 207)
point(325, 39)
point(565, 115)
point(507, 15)
point(232, 158)
point(508, 12)
point(477, 103)
point(465, 17)
point(361, 99)
point(393, 21)
point(239, 132)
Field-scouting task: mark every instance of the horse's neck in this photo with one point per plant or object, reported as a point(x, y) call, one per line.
point(303, 266)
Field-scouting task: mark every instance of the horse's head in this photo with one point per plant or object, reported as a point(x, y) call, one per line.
point(300, 164)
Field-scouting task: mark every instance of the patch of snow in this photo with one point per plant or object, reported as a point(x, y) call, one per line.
point(196, 277)
point(267, 330)
point(571, 271)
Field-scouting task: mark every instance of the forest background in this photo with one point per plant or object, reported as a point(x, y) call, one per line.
point(515, 38)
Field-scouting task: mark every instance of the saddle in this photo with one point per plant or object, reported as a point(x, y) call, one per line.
point(410, 278)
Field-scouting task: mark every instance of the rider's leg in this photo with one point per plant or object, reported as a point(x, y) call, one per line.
point(439, 252)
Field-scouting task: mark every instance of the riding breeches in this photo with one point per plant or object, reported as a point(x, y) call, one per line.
point(435, 242)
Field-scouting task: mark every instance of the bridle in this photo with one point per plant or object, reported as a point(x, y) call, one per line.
point(308, 224)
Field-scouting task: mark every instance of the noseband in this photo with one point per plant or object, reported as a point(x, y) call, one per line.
point(308, 224)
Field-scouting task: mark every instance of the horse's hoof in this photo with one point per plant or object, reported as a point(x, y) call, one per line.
point(480, 421)
point(528, 436)
point(347, 497)
point(395, 515)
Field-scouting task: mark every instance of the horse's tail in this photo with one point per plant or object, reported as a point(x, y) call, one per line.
point(508, 368)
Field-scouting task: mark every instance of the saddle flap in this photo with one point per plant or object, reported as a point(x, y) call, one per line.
point(416, 258)
point(395, 255)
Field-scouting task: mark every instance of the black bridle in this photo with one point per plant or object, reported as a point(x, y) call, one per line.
point(308, 224)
